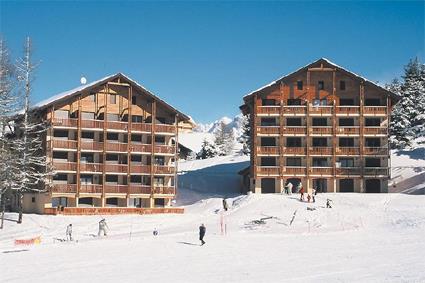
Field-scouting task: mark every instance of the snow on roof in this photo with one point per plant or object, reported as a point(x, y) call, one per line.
point(193, 141)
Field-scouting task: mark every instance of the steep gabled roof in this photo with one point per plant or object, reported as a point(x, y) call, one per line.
point(87, 87)
point(322, 60)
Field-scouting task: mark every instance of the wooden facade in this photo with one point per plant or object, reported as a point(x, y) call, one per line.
point(112, 144)
point(322, 126)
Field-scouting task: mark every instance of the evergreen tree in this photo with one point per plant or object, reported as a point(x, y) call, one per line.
point(245, 138)
point(208, 150)
point(224, 139)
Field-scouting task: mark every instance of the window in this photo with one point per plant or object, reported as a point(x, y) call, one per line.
point(137, 119)
point(60, 177)
point(372, 102)
point(299, 85)
point(293, 142)
point(92, 97)
point(136, 138)
point(86, 179)
point(346, 142)
point(87, 135)
point(372, 122)
point(373, 142)
point(159, 140)
point(268, 161)
point(113, 117)
point(135, 179)
point(134, 100)
point(293, 161)
point(87, 115)
point(268, 122)
point(60, 155)
point(320, 122)
point(346, 162)
point(268, 141)
point(158, 181)
point(32, 199)
point(268, 102)
point(346, 102)
point(293, 122)
point(320, 102)
point(112, 157)
point(372, 162)
point(60, 133)
point(113, 98)
point(292, 101)
point(320, 162)
point(342, 85)
point(321, 85)
point(86, 157)
point(64, 114)
point(346, 122)
point(160, 160)
point(112, 136)
point(112, 178)
point(320, 142)
point(136, 158)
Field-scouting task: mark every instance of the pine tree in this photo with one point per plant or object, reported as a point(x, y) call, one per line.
point(208, 150)
point(245, 138)
point(224, 139)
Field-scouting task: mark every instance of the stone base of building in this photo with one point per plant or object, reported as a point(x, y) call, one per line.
point(110, 210)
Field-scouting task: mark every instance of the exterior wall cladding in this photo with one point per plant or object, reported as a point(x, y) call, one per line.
point(322, 126)
point(111, 144)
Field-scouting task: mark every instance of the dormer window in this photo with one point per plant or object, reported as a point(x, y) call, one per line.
point(299, 85)
point(321, 85)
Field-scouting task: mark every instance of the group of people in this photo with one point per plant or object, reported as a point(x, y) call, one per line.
point(300, 189)
point(103, 227)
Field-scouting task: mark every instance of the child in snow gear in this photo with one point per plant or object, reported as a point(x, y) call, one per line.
point(288, 188)
point(225, 206)
point(102, 227)
point(328, 203)
point(313, 194)
point(308, 198)
point(202, 231)
point(155, 232)
point(69, 232)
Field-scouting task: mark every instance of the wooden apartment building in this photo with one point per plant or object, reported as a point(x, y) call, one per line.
point(323, 126)
point(111, 143)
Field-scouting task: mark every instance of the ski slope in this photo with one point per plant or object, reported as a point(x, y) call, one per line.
point(363, 238)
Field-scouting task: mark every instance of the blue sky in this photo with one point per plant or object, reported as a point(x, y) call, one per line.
point(202, 57)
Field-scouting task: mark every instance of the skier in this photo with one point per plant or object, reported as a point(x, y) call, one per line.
point(155, 232)
point(102, 227)
point(313, 195)
point(308, 198)
point(202, 231)
point(328, 203)
point(225, 206)
point(69, 232)
point(301, 190)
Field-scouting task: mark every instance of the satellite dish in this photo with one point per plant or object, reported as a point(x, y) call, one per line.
point(83, 80)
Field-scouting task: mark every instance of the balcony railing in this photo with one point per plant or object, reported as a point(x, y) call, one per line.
point(268, 150)
point(272, 130)
point(295, 110)
point(375, 171)
point(90, 188)
point(347, 151)
point(117, 125)
point(64, 188)
point(348, 171)
point(321, 170)
point(91, 145)
point(66, 144)
point(116, 189)
point(115, 146)
point(294, 170)
point(116, 168)
point(320, 110)
point(348, 110)
point(320, 150)
point(140, 189)
point(321, 130)
point(166, 149)
point(163, 128)
point(141, 127)
point(352, 130)
point(299, 130)
point(164, 190)
point(268, 110)
point(268, 170)
point(294, 150)
point(65, 122)
point(160, 169)
point(140, 147)
point(375, 151)
point(92, 124)
point(91, 167)
point(375, 110)
point(139, 168)
point(64, 165)
point(375, 131)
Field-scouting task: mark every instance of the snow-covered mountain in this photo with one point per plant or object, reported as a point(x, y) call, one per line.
point(235, 124)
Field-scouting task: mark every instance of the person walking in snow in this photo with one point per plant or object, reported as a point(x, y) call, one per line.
point(69, 232)
point(225, 206)
point(202, 231)
point(155, 232)
point(313, 195)
point(308, 197)
point(102, 227)
point(301, 191)
point(328, 203)
point(288, 188)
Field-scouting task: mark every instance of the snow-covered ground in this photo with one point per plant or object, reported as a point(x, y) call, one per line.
point(363, 238)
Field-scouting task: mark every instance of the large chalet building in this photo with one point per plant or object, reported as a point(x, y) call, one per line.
point(323, 126)
point(111, 144)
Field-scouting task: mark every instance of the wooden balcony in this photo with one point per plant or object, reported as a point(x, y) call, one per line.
point(268, 150)
point(268, 110)
point(320, 130)
point(65, 122)
point(164, 190)
point(321, 170)
point(294, 150)
point(348, 171)
point(139, 168)
point(91, 167)
point(64, 188)
point(294, 170)
point(64, 165)
point(294, 110)
point(134, 147)
point(116, 146)
point(139, 189)
point(320, 110)
point(300, 130)
point(164, 128)
point(91, 145)
point(165, 149)
point(160, 169)
point(92, 124)
point(268, 170)
point(320, 150)
point(375, 171)
point(375, 151)
point(141, 127)
point(348, 110)
point(64, 144)
point(270, 130)
point(375, 110)
point(347, 151)
point(354, 130)
point(117, 125)
point(375, 130)
point(116, 168)
point(90, 189)
point(116, 189)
